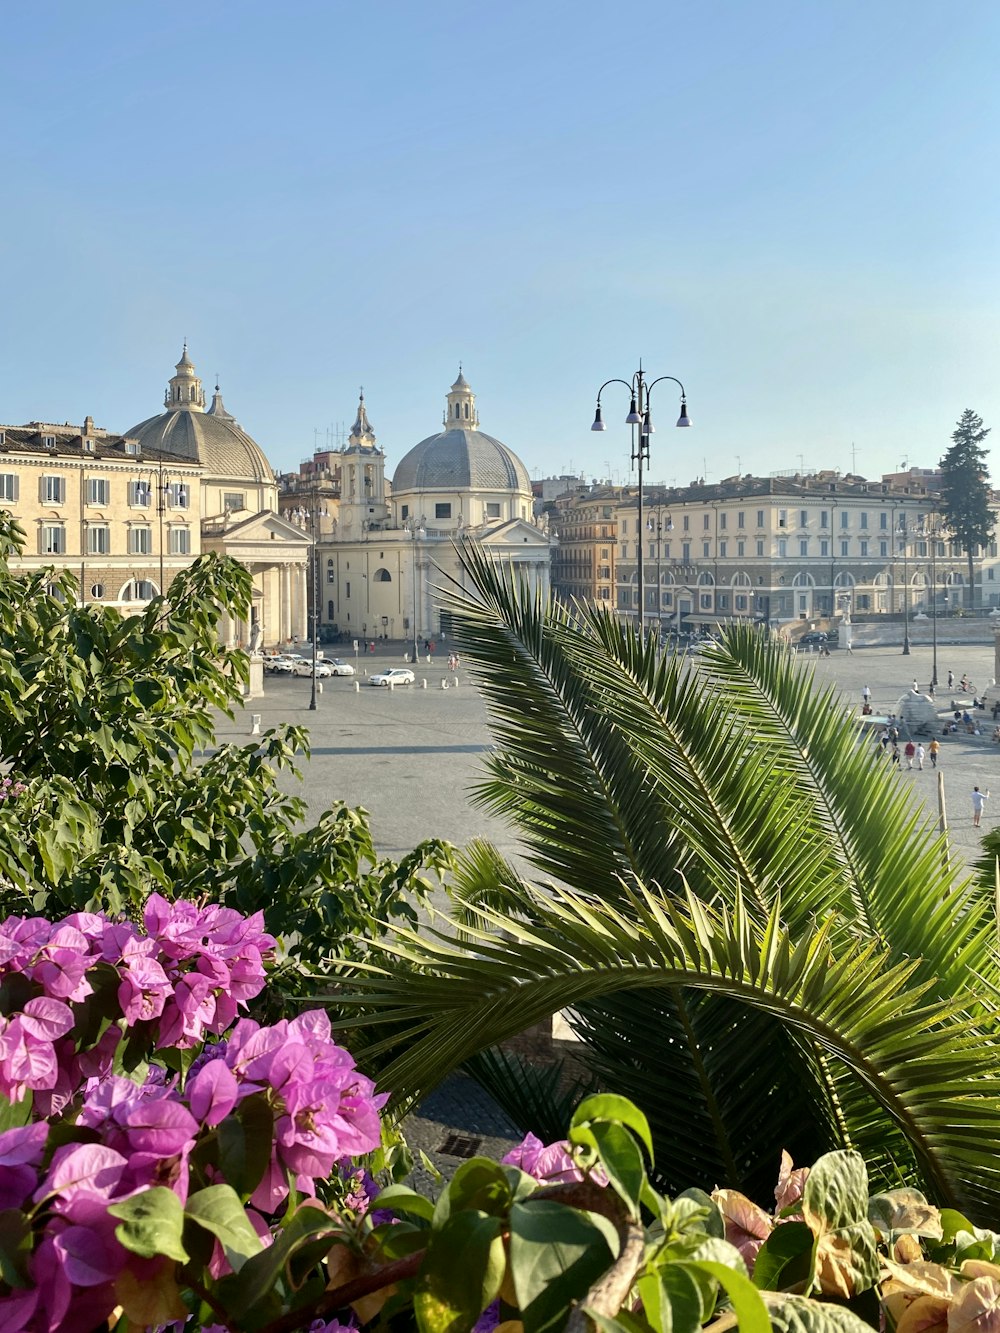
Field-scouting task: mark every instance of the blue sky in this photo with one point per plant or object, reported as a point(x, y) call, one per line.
point(792, 207)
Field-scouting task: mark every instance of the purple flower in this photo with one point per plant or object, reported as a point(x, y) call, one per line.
point(212, 1093)
point(551, 1164)
point(144, 989)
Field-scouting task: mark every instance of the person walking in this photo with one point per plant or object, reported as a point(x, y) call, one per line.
point(919, 756)
point(978, 801)
point(915, 687)
point(909, 751)
point(933, 750)
point(866, 694)
point(951, 679)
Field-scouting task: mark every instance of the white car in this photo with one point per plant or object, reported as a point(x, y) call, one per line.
point(277, 665)
point(338, 667)
point(302, 666)
point(394, 676)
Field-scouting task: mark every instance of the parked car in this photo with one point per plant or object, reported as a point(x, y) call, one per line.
point(278, 665)
point(338, 667)
point(394, 676)
point(812, 640)
point(303, 667)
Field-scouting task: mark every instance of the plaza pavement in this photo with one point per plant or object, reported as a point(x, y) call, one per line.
point(411, 756)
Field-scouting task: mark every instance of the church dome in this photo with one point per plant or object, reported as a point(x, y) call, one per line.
point(213, 438)
point(461, 457)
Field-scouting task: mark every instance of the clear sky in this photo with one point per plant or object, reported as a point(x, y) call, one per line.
point(792, 207)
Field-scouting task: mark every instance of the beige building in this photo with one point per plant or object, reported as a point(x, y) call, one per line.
point(237, 504)
point(123, 518)
point(585, 522)
point(394, 551)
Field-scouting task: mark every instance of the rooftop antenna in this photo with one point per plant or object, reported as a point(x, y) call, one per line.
point(739, 464)
point(854, 457)
point(315, 439)
point(802, 465)
point(904, 464)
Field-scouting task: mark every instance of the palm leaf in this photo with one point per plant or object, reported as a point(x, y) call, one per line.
point(924, 1065)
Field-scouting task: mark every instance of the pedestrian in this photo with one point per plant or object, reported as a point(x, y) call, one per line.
point(930, 689)
point(895, 755)
point(866, 694)
point(951, 679)
point(933, 749)
point(916, 688)
point(909, 751)
point(978, 801)
point(919, 756)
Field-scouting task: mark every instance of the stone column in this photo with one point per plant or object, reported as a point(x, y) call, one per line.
point(285, 602)
point(302, 602)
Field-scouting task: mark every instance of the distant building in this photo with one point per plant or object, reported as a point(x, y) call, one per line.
point(394, 552)
point(585, 522)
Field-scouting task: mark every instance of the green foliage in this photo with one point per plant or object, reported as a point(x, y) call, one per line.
point(965, 491)
point(109, 721)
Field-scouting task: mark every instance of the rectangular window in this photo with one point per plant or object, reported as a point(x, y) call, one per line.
point(705, 521)
point(138, 494)
point(8, 486)
point(741, 601)
point(405, 511)
point(704, 550)
point(824, 518)
point(234, 501)
point(845, 518)
point(706, 601)
point(741, 519)
point(760, 518)
point(687, 523)
point(53, 490)
point(722, 522)
point(98, 539)
point(922, 549)
point(760, 547)
point(347, 589)
point(741, 548)
point(824, 548)
point(652, 550)
point(604, 553)
point(883, 548)
point(804, 547)
point(782, 548)
point(844, 547)
point(180, 541)
point(864, 519)
point(722, 550)
point(140, 541)
point(624, 526)
point(782, 518)
point(492, 508)
point(53, 539)
point(803, 518)
point(883, 520)
point(686, 551)
point(722, 601)
point(179, 495)
point(442, 510)
point(98, 491)
point(864, 549)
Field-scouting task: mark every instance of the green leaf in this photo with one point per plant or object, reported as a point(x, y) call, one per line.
point(750, 1310)
point(461, 1273)
point(478, 1184)
point(152, 1223)
point(14, 1115)
point(620, 1156)
point(244, 1138)
point(785, 1258)
point(796, 1314)
point(401, 1199)
point(836, 1192)
point(556, 1253)
point(16, 1243)
point(218, 1209)
point(255, 1280)
point(671, 1299)
point(619, 1110)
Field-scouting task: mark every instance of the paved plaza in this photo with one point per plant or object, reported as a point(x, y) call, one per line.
point(412, 756)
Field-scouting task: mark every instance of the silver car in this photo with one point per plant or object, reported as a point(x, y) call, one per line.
point(394, 676)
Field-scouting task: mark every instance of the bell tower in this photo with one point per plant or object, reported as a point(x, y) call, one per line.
point(185, 392)
point(362, 479)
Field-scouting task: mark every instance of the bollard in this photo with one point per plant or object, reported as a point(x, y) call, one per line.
point(255, 728)
point(423, 683)
point(455, 682)
point(444, 684)
point(357, 687)
point(392, 685)
point(319, 687)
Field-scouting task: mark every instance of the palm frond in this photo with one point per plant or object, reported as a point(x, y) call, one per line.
point(925, 1065)
point(539, 1098)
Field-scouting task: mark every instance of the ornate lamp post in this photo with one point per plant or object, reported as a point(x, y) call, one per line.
point(640, 415)
point(313, 516)
point(933, 532)
point(415, 531)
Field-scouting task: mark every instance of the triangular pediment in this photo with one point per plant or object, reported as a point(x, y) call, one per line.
point(265, 526)
point(515, 532)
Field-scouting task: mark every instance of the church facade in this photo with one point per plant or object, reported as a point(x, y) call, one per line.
point(394, 554)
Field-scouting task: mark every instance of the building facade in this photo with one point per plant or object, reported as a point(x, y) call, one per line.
point(585, 524)
point(784, 549)
point(387, 568)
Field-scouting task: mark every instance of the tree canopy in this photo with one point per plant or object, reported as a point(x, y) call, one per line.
point(965, 491)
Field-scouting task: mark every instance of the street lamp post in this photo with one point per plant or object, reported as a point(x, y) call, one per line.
point(904, 534)
point(934, 534)
point(313, 515)
point(415, 531)
point(640, 415)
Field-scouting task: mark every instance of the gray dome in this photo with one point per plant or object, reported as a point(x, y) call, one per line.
point(217, 441)
point(460, 460)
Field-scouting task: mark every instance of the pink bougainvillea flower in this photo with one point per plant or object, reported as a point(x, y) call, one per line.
point(212, 1093)
point(551, 1162)
point(144, 989)
point(21, 1151)
point(62, 964)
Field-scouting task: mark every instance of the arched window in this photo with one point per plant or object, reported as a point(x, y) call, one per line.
point(466, 411)
point(383, 576)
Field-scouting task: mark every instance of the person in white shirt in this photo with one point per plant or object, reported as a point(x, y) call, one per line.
point(978, 801)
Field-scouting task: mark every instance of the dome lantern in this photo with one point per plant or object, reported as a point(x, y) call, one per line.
point(461, 410)
point(185, 391)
